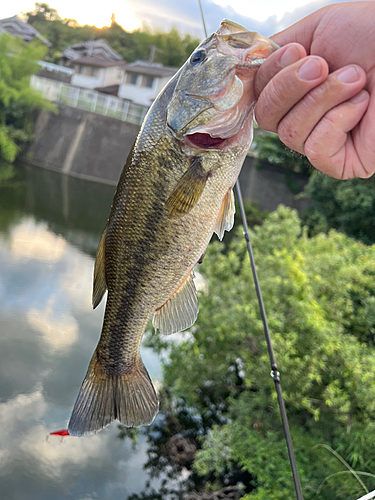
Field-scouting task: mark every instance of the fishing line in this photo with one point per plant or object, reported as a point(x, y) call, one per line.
point(274, 371)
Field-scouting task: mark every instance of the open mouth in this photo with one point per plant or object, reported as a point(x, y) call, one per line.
point(231, 119)
point(205, 141)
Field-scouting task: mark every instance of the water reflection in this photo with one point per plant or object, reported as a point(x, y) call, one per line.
point(50, 226)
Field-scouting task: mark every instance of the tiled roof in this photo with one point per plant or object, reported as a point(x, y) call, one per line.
point(98, 62)
point(150, 69)
point(98, 49)
point(15, 27)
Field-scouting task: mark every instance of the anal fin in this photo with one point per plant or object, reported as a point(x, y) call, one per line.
point(100, 285)
point(180, 311)
point(226, 217)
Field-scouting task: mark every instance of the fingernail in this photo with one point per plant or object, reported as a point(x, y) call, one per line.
point(349, 75)
point(311, 69)
point(362, 96)
point(290, 56)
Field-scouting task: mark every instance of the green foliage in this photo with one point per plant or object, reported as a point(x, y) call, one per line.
point(348, 206)
point(18, 61)
point(319, 295)
point(270, 149)
point(171, 49)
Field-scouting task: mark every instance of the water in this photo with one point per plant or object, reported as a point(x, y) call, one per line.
point(50, 226)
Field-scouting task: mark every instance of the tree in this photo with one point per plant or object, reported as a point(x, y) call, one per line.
point(18, 61)
point(348, 206)
point(42, 12)
point(172, 49)
point(319, 295)
point(270, 149)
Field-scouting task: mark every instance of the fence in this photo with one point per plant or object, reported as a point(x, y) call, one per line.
point(89, 100)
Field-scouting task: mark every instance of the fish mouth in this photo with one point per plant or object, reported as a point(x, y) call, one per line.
point(234, 111)
point(205, 141)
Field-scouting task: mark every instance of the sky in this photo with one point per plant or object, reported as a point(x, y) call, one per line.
point(267, 17)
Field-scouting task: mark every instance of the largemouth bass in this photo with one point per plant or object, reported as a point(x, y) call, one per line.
point(174, 192)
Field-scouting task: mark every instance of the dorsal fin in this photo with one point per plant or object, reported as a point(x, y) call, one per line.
point(226, 218)
point(100, 285)
point(180, 311)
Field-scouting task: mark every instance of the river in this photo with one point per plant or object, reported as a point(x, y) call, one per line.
point(50, 225)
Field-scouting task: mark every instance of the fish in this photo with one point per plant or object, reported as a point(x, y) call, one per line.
point(174, 192)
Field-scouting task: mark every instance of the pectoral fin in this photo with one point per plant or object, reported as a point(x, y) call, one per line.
point(226, 218)
point(180, 311)
point(100, 285)
point(188, 190)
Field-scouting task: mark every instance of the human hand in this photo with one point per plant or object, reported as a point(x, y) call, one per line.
point(319, 94)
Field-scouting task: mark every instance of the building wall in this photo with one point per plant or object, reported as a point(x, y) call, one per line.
point(88, 82)
point(141, 95)
point(112, 76)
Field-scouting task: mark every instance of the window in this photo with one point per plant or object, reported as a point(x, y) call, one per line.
point(149, 82)
point(131, 78)
point(95, 72)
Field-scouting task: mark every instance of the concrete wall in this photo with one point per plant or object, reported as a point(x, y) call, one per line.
point(81, 143)
point(92, 146)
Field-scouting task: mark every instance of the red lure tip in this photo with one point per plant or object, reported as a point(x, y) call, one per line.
point(63, 432)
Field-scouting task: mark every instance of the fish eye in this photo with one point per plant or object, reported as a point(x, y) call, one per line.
point(198, 57)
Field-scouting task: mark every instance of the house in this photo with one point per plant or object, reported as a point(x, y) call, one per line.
point(96, 66)
point(16, 27)
point(142, 81)
point(93, 48)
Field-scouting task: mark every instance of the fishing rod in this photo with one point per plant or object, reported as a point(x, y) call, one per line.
point(274, 371)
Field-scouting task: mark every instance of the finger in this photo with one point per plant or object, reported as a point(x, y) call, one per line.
point(330, 147)
point(340, 86)
point(288, 87)
point(276, 62)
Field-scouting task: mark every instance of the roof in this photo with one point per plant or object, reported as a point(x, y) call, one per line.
point(16, 27)
point(98, 62)
point(98, 49)
point(150, 69)
point(110, 89)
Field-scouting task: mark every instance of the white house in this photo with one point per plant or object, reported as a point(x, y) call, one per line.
point(142, 81)
point(15, 27)
point(96, 73)
point(96, 65)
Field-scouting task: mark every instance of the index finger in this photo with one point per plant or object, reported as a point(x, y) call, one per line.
point(280, 59)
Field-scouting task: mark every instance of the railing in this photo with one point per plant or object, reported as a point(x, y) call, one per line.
point(89, 100)
point(56, 68)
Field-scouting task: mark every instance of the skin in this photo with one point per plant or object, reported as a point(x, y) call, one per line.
point(318, 91)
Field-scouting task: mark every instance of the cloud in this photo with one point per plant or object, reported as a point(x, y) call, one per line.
point(78, 278)
point(34, 241)
point(37, 466)
point(60, 331)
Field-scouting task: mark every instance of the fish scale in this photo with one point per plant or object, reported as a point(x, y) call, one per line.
point(173, 194)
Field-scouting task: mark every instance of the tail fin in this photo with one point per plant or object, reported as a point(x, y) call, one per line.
point(129, 398)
